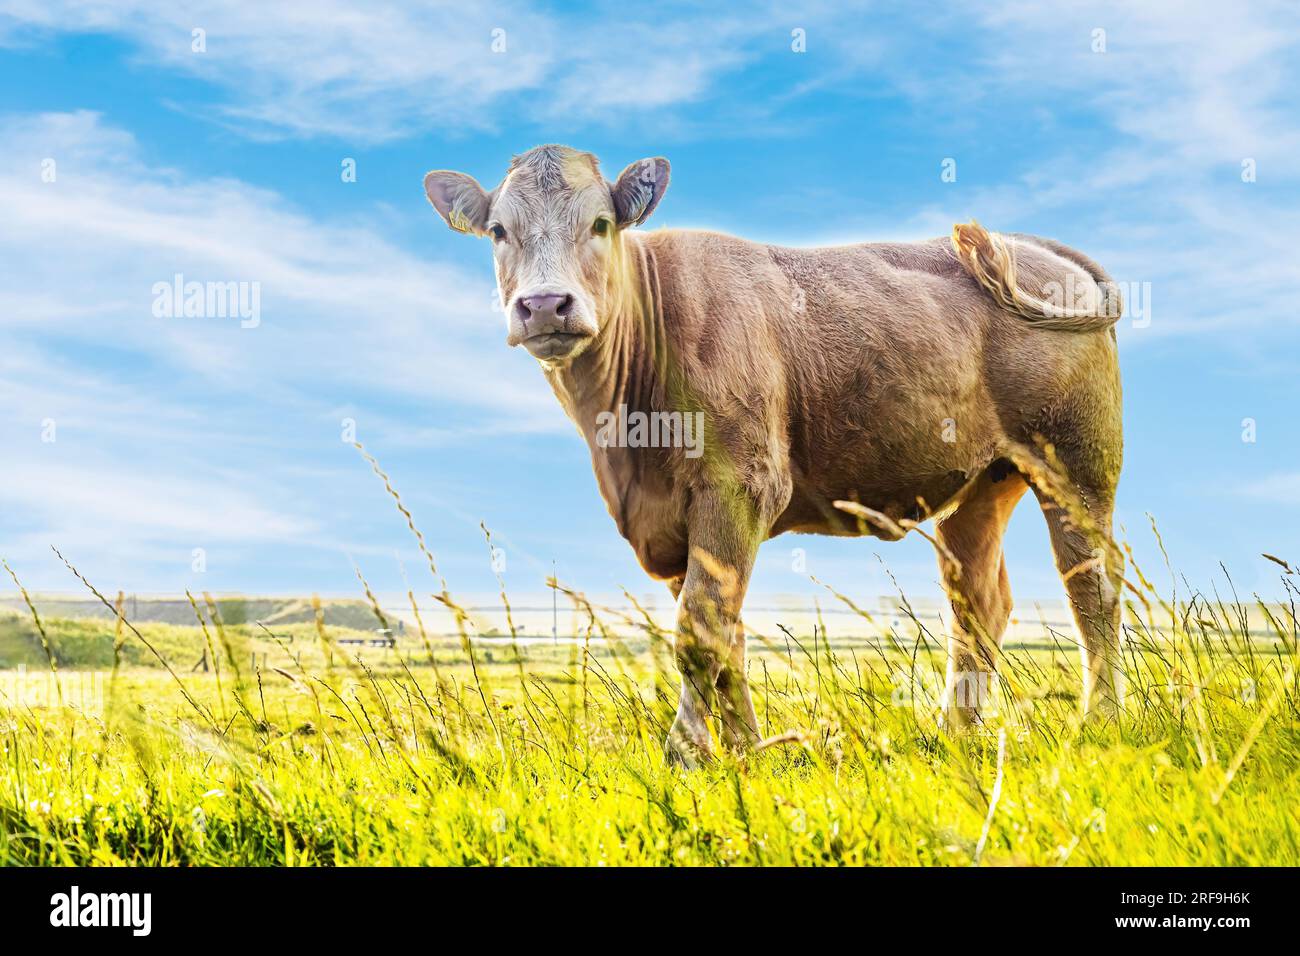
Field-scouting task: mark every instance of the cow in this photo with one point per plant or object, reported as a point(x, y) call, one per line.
point(845, 390)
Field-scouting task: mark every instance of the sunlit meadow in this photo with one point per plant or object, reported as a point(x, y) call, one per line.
point(300, 744)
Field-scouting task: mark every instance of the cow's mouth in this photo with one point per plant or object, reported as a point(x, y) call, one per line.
point(556, 346)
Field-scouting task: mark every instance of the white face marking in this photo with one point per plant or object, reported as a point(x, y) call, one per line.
point(548, 247)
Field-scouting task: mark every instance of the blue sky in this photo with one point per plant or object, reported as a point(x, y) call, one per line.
point(224, 165)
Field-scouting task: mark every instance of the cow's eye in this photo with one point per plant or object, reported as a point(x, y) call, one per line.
point(600, 227)
point(497, 231)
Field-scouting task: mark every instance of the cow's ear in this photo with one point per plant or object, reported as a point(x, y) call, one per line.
point(459, 199)
point(638, 190)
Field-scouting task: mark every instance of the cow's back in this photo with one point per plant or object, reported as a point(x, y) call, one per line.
point(878, 371)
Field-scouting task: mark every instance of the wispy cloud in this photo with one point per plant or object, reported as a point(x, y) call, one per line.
point(1282, 488)
point(172, 433)
point(1200, 90)
point(394, 68)
point(1133, 143)
point(1132, 155)
point(339, 301)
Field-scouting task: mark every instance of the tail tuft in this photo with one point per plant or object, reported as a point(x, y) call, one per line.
point(991, 261)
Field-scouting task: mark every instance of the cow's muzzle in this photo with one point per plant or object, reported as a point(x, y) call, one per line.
point(553, 326)
point(556, 346)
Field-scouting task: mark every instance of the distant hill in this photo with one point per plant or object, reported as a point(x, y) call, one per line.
point(233, 610)
point(81, 632)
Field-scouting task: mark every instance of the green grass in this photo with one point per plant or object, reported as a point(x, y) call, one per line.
point(554, 756)
point(297, 752)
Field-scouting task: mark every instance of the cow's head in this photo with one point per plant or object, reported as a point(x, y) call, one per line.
point(555, 225)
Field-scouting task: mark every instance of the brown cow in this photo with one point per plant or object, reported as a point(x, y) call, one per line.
point(902, 380)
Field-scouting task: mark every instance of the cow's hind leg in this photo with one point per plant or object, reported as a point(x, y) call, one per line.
point(975, 577)
point(1076, 489)
point(1092, 569)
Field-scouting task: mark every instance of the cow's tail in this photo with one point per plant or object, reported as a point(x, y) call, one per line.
point(991, 260)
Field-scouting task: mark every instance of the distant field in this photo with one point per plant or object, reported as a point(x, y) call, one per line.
point(297, 750)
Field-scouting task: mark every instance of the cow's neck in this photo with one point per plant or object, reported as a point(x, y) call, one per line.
point(623, 366)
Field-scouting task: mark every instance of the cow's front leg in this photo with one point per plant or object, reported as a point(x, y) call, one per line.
point(688, 739)
point(725, 532)
point(736, 708)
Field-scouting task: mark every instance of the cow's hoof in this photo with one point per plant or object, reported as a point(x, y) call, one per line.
point(740, 741)
point(1102, 710)
point(685, 753)
point(960, 720)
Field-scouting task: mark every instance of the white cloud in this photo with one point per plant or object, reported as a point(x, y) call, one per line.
point(1148, 182)
point(339, 302)
point(153, 506)
point(394, 68)
point(171, 432)
point(328, 67)
point(1282, 488)
point(1149, 187)
point(1197, 88)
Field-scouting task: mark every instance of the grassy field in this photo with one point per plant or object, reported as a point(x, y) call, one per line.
point(303, 753)
point(293, 748)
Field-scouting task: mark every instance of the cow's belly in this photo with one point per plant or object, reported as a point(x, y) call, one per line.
point(904, 439)
point(812, 510)
point(912, 476)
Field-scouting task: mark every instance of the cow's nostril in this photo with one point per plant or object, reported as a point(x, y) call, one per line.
point(544, 310)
